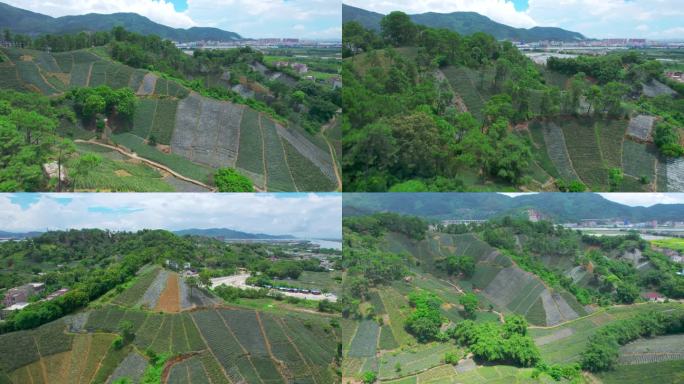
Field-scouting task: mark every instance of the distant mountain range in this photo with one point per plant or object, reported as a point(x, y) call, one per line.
point(560, 207)
point(18, 235)
point(223, 233)
point(229, 234)
point(21, 21)
point(465, 23)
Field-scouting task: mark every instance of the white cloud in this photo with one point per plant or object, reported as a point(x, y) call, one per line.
point(611, 18)
point(592, 18)
point(250, 18)
point(156, 10)
point(304, 215)
point(645, 199)
point(270, 18)
point(502, 11)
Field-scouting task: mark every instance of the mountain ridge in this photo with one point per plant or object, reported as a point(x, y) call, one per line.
point(465, 23)
point(229, 234)
point(22, 21)
point(480, 206)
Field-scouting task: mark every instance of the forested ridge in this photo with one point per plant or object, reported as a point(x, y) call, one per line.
point(407, 128)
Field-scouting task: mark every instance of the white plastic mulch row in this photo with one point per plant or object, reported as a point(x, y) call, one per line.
point(309, 150)
point(674, 168)
point(151, 296)
point(132, 368)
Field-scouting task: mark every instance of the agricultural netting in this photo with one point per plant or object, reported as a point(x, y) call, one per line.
point(641, 126)
point(207, 131)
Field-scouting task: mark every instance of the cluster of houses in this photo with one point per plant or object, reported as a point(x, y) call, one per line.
point(298, 67)
point(18, 297)
point(676, 76)
point(187, 270)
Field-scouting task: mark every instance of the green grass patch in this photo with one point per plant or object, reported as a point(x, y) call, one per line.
point(143, 119)
point(164, 120)
point(178, 163)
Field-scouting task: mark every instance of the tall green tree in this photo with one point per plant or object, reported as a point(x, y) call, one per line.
point(398, 29)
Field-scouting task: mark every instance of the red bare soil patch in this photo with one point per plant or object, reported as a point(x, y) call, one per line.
point(169, 301)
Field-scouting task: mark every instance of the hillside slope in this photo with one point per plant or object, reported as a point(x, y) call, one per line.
point(497, 279)
point(18, 20)
point(194, 134)
point(465, 23)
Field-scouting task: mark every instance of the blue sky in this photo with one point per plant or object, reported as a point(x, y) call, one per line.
point(300, 214)
point(651, 19)
point(180, 5)
point(520, 5)
point(309, 19)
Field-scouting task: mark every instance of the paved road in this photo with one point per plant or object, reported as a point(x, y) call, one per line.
point(240, 281)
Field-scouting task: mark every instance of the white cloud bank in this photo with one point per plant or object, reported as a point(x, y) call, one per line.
point(302, 215)
point(250, 18)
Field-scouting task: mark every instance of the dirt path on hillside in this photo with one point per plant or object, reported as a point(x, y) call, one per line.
point(280, 365)
point(169, 300)
point(324, 130)
point(166, 372)
point(292, 343)
point(154, 164)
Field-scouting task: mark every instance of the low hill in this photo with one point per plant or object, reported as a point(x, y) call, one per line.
point(21, 21)
point(194, 134)
point(229, 234)
point(465, 23)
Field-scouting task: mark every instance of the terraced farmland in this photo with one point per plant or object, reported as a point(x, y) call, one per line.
point(212, 345)
point(497, 281)
point(195, 134)
point(657, 349)
point(585, 149)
